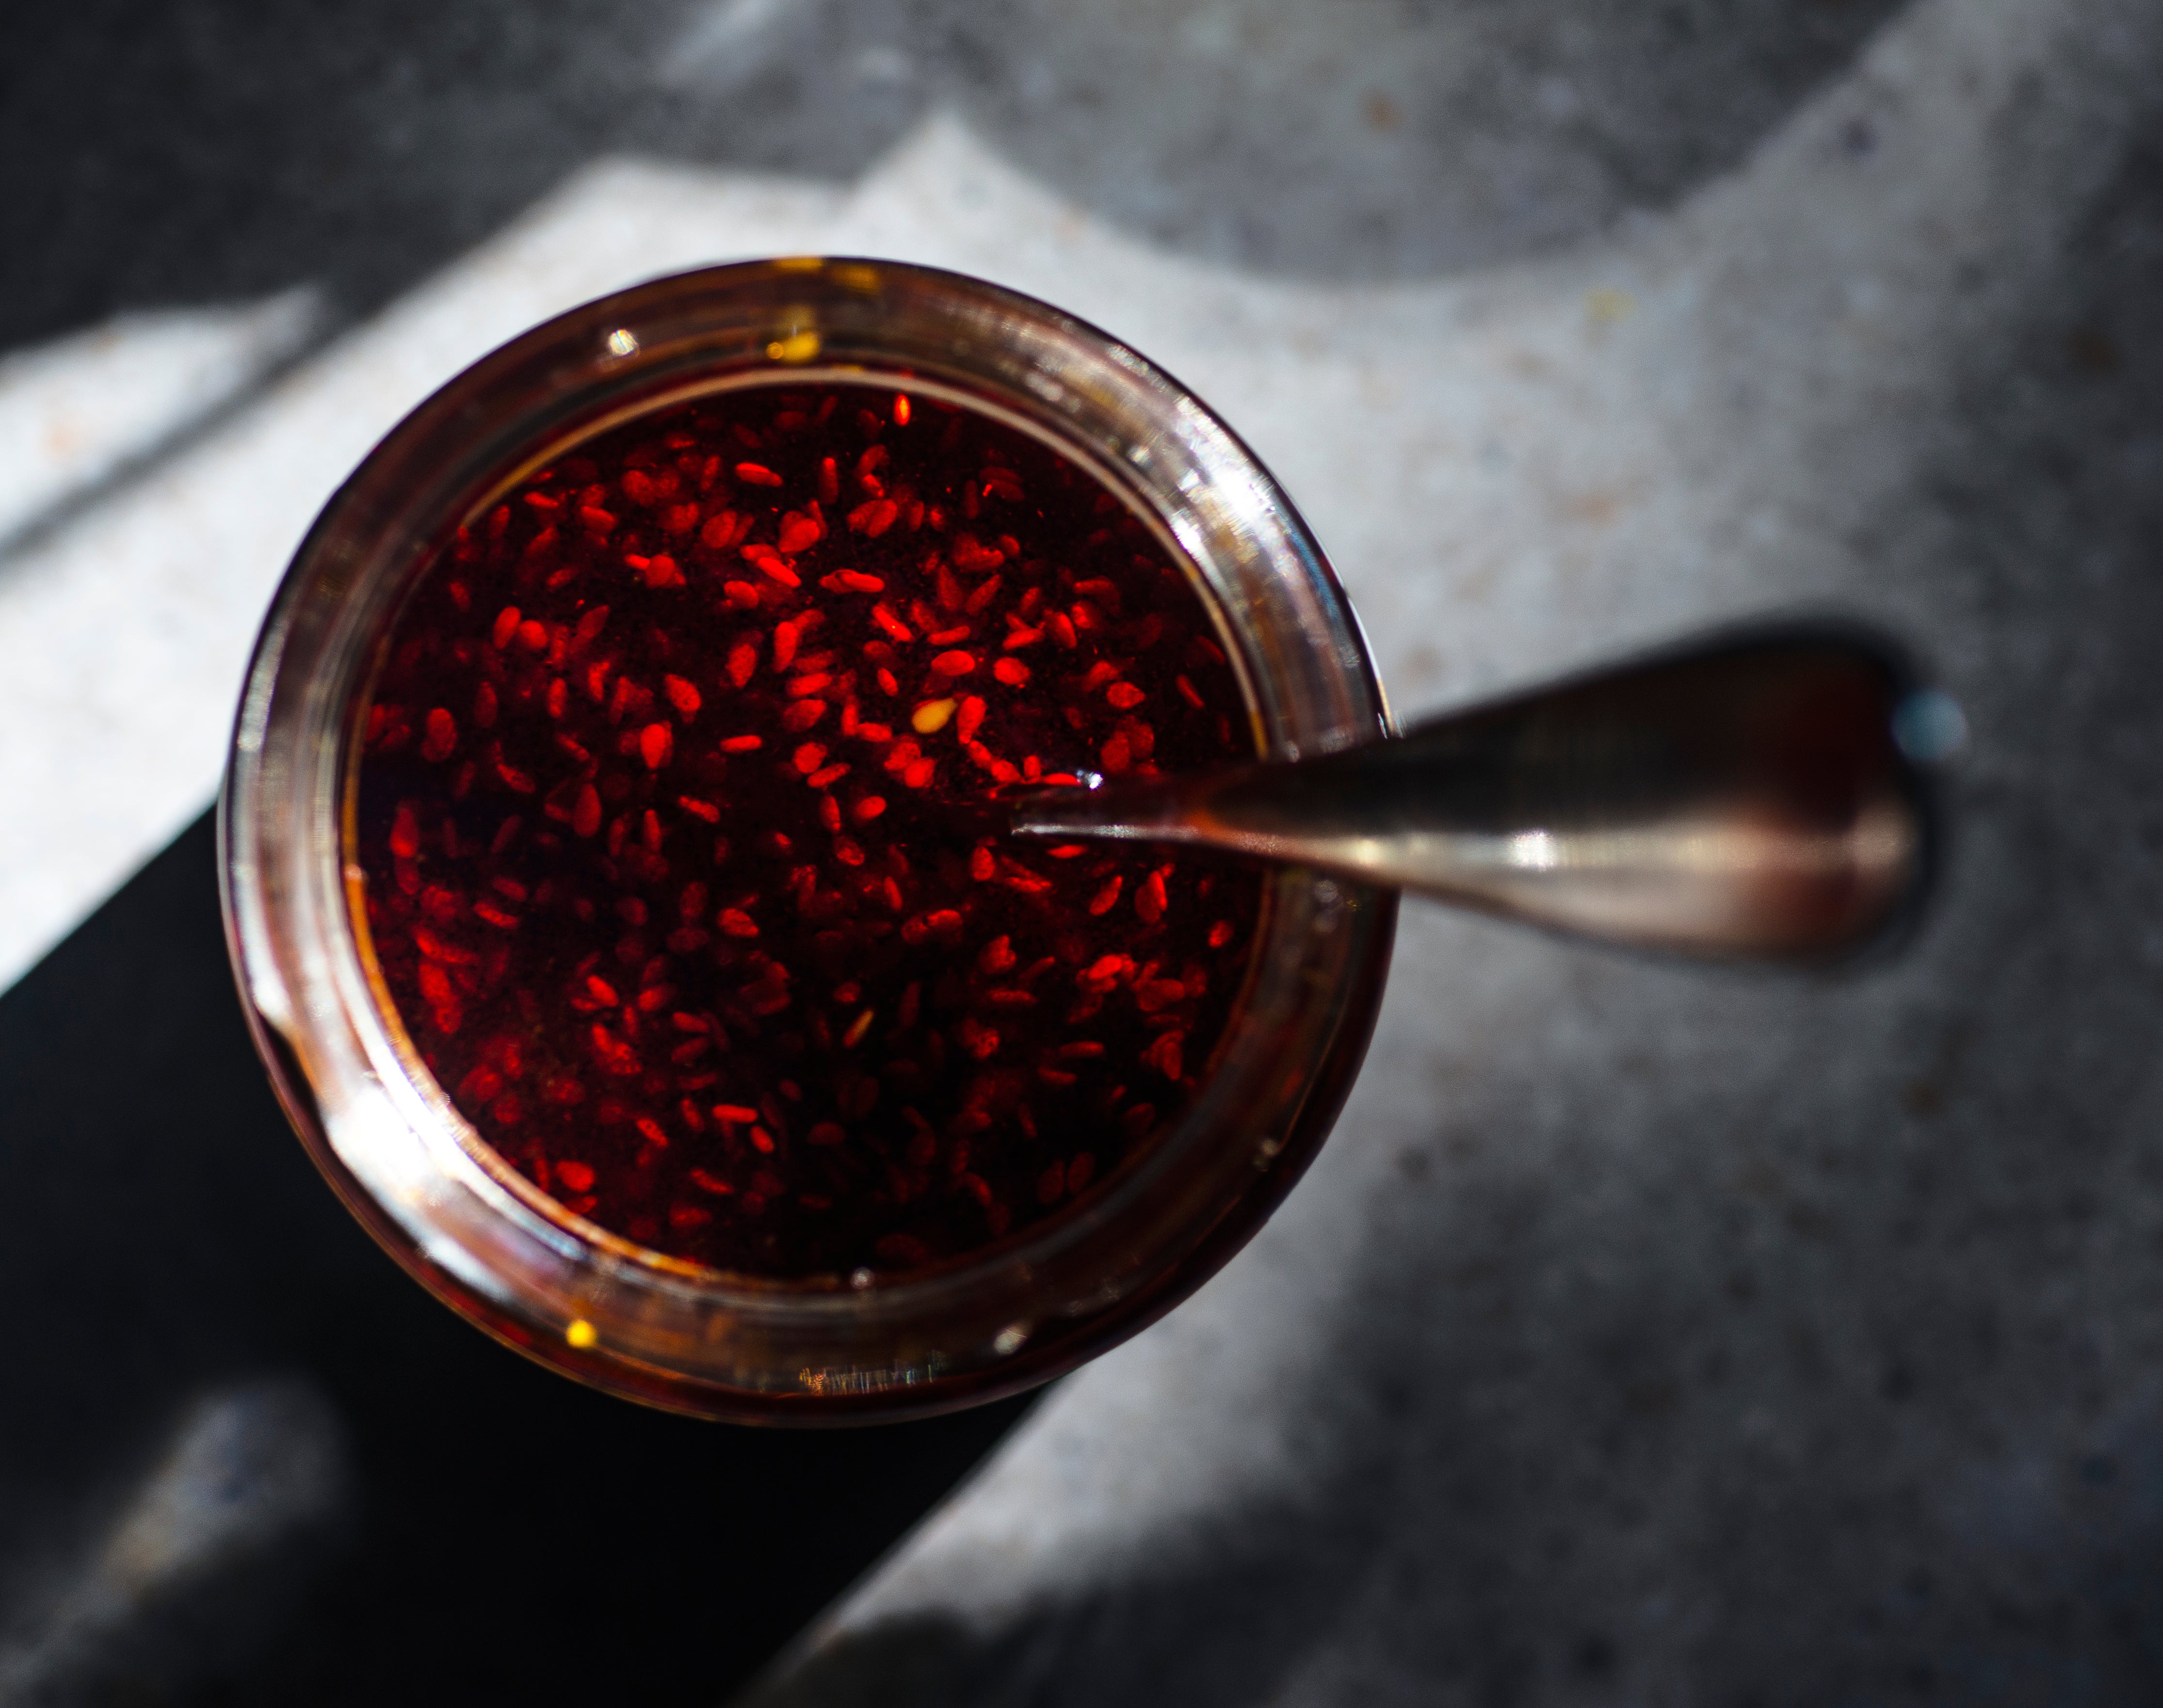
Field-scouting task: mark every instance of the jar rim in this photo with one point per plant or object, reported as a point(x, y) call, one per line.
point(456, 1213)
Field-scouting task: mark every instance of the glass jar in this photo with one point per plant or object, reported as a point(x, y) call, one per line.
point(483, 1238)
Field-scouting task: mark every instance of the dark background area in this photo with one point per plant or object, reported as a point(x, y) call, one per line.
point(337, 1490)
point(222, 150)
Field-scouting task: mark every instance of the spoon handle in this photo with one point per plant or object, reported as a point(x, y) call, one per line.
point(1759, 796)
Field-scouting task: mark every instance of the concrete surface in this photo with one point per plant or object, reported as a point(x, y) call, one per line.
point(1647, 1334)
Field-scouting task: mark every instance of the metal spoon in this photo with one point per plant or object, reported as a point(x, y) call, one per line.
point(1761, 796)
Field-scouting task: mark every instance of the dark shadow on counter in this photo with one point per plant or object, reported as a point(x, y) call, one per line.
point(224, 151)
point(244, 1459)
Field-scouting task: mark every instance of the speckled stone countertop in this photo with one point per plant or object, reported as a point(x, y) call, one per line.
point(1646, 1334)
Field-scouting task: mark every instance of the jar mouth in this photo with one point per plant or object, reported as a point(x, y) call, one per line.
point(472, 1226)
point(1108, 1203)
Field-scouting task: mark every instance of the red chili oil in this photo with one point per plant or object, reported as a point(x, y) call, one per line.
point(675, 810)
